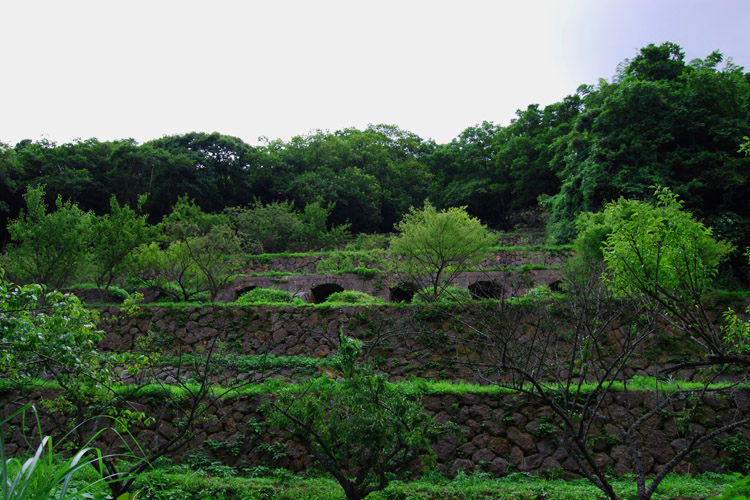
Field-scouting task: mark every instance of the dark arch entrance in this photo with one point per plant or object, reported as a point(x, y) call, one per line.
point(486, 290)
point(320, 293)
point(238, 293)
point(403, 292)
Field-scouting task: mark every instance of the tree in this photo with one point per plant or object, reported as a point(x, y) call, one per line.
point(663, 122)
point(202, 254)
point(361, 430)
point(48, 333)
point(660, 255)
point(49, 247)
point(114, 237)
point(574, 356)
point(433, 246)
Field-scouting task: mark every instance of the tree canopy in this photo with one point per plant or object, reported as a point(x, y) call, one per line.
point(660, 120)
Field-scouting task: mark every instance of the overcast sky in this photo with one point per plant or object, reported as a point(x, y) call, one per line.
point(143, 69)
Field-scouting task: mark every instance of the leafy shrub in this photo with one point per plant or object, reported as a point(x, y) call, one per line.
point(366, 273)
point(266, 296)
point(370, 242)
point(277, 226)
point(449, 294)
point(354, 297)
point(349, 262)
point(119, 293)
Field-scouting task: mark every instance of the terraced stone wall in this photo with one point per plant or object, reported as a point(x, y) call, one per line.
point(499, 434)
point(400, 341)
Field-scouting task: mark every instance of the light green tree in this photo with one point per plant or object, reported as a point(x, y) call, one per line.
point(201, 254)
point(114, 237)
point(663, 256)
point(434, 246)
point(48, 247)
point(49, 333)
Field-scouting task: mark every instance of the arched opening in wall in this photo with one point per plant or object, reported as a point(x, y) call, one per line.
point(320, 293)
point(403, 292)
point(486, 290)
point(238, 293)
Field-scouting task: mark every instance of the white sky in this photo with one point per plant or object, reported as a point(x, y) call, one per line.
point(278, 68)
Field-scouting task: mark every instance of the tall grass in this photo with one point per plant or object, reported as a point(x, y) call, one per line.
point(45, 474)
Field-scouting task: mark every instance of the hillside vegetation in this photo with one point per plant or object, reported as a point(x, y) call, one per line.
point(660, 121)
point(597, 345)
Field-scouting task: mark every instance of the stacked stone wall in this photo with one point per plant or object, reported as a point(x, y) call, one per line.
point(400, 341)
point(498, 434)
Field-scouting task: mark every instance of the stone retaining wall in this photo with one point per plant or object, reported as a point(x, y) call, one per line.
point(499, 434)
point(401, 341)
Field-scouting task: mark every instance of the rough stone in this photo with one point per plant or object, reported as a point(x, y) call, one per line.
point(480, 412)
point(432, 403)
point(550, 464)
point(482, 455)
point(321, 351)
point(499, 466)
point(659, 447)
point(546, 447)
point(467, 450)
point(461, 464)
point(516, 455)
point(481, 440)
point(279, 335)
point(445, 450)
point(493, 428)
point(500, 446)
point(530, 463)
point(522, 440)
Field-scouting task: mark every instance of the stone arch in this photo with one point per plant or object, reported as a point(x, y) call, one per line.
point(486, 290)
point(320, 293)
point(403, 292)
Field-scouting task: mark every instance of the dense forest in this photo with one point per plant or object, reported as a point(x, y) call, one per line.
point(661, 121)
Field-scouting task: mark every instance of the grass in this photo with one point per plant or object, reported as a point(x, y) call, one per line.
point(411, 386)
point(176, 482)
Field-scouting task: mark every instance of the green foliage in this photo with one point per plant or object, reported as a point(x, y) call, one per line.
point(277, 226)
point(48, 333)
point(737, 453)
point(660, 122)
point(114, 237)
point(433, 246)
point(449, 294)
point(353, 297)
point(360, 429)
point(202, 254)
point(266, 228)
point(348, 261)
point(48, 247)
point(258, 296)
point(660, 251)
point(736, 330)
point(592, 230)
point(46, 474)
point(366, 241)
point(187, 219)
point(738, 489)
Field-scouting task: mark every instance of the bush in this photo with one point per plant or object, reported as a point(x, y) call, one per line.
point(370, 242)
point(354, 297)
point(351, 262)
point(266, 296)
point(447, 295)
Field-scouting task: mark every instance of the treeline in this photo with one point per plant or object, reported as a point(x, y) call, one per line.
point(660, 121)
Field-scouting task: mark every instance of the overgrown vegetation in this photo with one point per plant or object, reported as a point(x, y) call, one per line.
point(181, 214)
